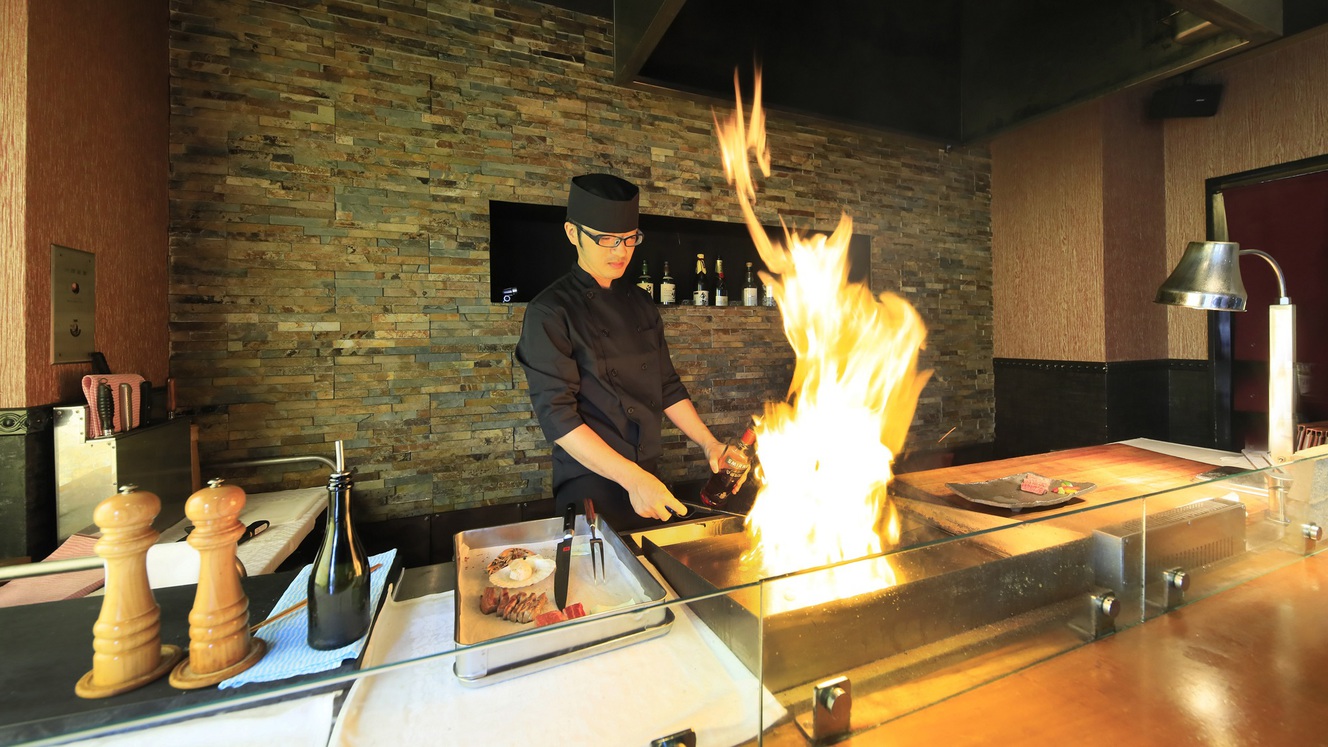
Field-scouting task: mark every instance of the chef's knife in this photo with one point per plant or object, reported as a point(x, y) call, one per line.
point(563, 562)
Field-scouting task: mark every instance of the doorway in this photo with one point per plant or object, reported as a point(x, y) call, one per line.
point(1282, 210)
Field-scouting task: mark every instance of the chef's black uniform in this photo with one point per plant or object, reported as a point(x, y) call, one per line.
point(597, 356)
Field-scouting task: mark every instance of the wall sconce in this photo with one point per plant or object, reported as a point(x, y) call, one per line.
point(1208, 277)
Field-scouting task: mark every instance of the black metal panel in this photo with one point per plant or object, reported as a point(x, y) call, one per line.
point(1191, 418)
point(1137, 393)
point(1048, 405)
point(27, 483)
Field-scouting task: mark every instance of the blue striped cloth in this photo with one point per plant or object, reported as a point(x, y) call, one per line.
point(288, 652)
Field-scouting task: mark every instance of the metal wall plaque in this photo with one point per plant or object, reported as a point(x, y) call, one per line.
point(73, 292)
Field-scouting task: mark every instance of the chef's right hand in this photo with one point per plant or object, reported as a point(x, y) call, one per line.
point(652, 500)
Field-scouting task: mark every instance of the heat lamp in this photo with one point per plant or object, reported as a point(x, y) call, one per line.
point(1208, 277)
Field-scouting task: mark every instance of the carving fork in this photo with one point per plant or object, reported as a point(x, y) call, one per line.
point(596, 544)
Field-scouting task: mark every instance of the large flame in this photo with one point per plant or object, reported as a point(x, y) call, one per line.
point(826, 451)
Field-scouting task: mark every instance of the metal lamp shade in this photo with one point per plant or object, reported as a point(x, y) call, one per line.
point(1207, 277)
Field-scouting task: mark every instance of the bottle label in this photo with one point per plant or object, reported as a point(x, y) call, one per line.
point(648, 287)
point(701, 298)
point(748, 296)
point(668, 293)
point(721, 299)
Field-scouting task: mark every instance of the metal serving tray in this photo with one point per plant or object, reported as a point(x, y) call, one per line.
point(627, 584)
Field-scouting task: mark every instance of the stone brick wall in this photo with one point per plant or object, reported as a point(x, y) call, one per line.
point(331, 167)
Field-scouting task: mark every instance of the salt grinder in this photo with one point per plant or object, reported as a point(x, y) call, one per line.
point(126, 643)
point(220, 645)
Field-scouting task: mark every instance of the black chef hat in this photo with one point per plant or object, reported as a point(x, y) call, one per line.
point(604, 202)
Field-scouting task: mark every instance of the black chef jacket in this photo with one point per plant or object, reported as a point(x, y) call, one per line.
point(597, 356)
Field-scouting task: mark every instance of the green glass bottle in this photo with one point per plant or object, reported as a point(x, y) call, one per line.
point(339, 612)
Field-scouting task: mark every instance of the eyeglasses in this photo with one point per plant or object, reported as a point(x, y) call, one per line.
point(609, 241)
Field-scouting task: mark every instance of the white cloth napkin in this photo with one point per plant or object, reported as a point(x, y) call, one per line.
point(629, 696)
point(288, 651)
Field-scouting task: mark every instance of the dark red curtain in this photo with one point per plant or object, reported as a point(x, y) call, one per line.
point(1288, 219)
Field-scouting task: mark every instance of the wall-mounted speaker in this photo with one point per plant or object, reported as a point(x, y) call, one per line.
point(1187, 100)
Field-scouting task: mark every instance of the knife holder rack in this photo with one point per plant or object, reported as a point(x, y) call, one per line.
point(157, 458)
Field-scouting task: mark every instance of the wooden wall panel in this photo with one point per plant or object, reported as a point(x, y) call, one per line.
point(97, 145)
point(1274, 109)
point(13, 144)
point(1046, 217)
point(1133, 223)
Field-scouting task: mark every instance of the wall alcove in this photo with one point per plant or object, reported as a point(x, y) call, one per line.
point(527, 251)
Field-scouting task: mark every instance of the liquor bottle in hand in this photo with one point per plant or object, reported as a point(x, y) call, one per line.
point(721, 293)
point(732, 473)
point(701, 294)
point(644, 282)
point(749, 292)
point(668, 291)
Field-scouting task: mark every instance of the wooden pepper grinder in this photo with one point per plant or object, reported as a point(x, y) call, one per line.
point(220, 646)
point(126, 639)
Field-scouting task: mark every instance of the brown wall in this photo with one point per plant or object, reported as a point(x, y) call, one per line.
point(95, 157)
point(1108, 198)
point(1133, 224)
point(13, 149)
point(1274, 110)
point(1047, 237)
point(332, 167)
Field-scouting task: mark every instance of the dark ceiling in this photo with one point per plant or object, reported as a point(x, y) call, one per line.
point(951, 71)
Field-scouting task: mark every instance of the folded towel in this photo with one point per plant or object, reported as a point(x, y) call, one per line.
point(288, 652)
point(69, 585)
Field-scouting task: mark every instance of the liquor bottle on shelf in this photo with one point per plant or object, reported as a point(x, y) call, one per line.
point(728, 480)
point(767, 296)
point(749, 292)
point(339, 611)
point(668, 291)
point(644, 282)
point(721, 293)
point(701, 294)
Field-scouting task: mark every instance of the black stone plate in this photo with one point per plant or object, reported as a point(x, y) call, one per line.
point(1005, 492)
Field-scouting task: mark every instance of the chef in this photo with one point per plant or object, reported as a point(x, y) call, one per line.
point(600, 376)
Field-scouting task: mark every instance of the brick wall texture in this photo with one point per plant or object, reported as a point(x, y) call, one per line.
point(332, 162)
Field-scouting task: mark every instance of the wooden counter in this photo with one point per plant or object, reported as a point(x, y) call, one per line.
point(1248, 666)
point(1119, 471)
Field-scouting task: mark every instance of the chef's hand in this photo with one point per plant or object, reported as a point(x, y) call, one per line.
point(724, 456)
point(652, 500)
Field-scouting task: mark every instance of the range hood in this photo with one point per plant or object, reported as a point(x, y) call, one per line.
point(949, 71)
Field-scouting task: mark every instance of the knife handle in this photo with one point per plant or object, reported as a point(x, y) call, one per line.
point(126, 406)
point(105, 409)
point(144, 402)
point(569, 520)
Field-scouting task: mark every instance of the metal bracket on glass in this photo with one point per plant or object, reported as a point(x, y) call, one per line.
point(832, 703)
point(1175, 582)
point(1279, 487)
point(684, 738)
point(1103, 607)
point(1313, 534)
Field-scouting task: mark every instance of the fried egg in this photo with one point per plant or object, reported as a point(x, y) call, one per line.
point(522, 572)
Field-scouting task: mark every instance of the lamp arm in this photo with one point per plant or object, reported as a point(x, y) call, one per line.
point(1281, 279)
